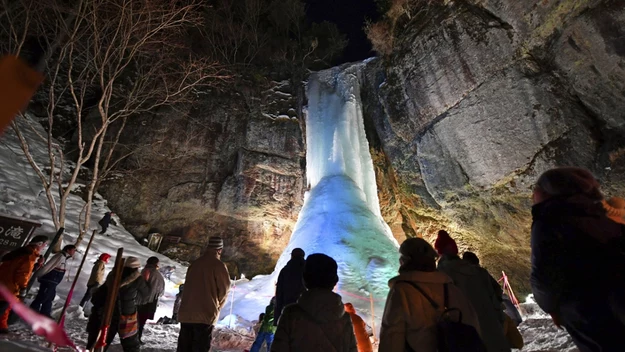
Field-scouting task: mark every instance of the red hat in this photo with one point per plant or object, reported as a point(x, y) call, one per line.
point(444, 244)
point(105, 257)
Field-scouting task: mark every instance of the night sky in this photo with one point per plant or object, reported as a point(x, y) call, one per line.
point(349, 16)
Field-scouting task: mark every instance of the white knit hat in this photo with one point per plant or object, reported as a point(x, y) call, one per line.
point(132, 262)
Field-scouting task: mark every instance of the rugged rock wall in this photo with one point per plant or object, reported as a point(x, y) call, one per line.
point(478, 98)
point(231, 166)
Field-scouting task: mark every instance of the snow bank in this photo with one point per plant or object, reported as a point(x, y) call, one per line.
point(21, 194)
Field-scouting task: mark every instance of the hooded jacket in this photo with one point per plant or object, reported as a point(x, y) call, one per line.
point(97, 273)
point(17, 266)
point(475, 283)
point(205, 290)
point(409, 318)
point(132, 288)
point(317, 322)
point(360, 330)
point(290, 285)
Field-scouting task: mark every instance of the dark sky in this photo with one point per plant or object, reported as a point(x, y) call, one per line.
point(349, 16)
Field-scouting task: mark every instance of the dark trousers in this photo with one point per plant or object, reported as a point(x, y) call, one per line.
point(194, 337)
point(90, 290)
point(104, 228)
point(129, 344)
point(44, 299)
point(262, 337)
point(142, 318)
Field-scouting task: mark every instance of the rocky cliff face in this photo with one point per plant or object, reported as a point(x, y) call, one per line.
point(480, 97)
point(230, 166)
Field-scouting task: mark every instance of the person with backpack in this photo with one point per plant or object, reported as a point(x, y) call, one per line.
point(578, 259)
point(50, 276)
point(96, 279)
point(480, 289)
point(360, 330)
point(317, 322)
point(15, 272)
point(415, 316)
point(267, 329)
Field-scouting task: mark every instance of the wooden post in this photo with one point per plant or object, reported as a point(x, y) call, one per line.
point(111, 297)
point(372, 316)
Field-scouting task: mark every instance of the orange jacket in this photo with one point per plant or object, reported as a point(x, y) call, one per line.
point(17, 266)
point(362, 337)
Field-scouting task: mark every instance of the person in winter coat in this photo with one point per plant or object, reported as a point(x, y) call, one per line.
point(147, 305)
point(290, 284)
point(206, 288)
point(50, 276)
point(96, 279)
point(360, 330)
point(267, 329)
point(106, 220)
point(578, 259)
point(478, 287)
point(317, 322)
point(409, 319)
point(15, 272)
point(615, 209)
point(133, 287)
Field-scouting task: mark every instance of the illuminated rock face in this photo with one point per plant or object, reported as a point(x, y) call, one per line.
point(480, 97)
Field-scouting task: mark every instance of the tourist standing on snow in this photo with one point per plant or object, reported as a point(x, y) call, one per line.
point(206, 288)
point(409, 320)
point(15, 272)
point(578, 259)
point(106, 220)
point(148, 304)
point(50, 276)
point(96, 279)
point(476, 284)
point(174, 314)
point(360, 330)
point(317, 322)
point(290, 284)
point(267, 329)
point(132, 288)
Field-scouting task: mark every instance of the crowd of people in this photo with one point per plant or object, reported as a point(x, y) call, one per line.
point(439, 301)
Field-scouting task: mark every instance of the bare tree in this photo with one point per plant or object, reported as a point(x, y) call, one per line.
point(107, 61)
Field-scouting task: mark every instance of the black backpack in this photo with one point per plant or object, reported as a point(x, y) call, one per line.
point(451, 335)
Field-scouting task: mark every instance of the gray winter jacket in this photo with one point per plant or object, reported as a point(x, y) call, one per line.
point(475, 283)
point(156, 283)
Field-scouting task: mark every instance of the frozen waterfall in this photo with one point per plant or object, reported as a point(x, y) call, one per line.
point(341, 212)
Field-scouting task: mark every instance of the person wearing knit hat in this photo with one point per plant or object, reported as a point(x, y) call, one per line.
point(132, 287)
point(206, 287)
point(409, 320)
point(578, 261)
point(317, 322)
point(615, 209)
point(96, 279)
point(444, 244)
point(475, 282)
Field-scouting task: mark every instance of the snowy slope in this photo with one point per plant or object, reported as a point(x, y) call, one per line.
point(21, 194)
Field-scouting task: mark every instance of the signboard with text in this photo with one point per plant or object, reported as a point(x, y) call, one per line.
point(15, 231)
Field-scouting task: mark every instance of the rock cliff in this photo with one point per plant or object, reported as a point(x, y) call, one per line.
point(477, 98)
